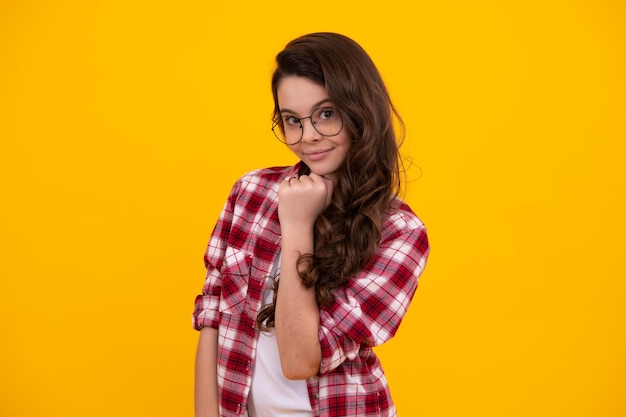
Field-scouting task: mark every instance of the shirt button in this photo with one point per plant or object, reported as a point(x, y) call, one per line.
point(316, 396)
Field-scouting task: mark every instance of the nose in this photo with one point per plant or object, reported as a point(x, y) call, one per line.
point(309, 133)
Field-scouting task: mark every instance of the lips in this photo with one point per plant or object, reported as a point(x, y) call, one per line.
point(317, 154)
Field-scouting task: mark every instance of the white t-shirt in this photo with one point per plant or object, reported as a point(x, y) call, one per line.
point(271, 394)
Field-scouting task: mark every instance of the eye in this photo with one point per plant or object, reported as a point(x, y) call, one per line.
point(326, 114)
point(291, 121)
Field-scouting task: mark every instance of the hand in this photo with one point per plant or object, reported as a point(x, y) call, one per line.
point(302, 200)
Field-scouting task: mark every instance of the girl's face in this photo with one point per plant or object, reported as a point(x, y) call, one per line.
point(299, 97)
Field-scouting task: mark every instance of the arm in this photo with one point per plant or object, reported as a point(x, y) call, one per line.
point(206, 309)
point(206, 315)
point(206, 398)
point(369, 309)
point(297, 314)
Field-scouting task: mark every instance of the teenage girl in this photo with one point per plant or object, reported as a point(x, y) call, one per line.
point(311, 266)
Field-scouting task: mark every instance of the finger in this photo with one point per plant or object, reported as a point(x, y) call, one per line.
point(304, 178)
point(319, 178)
point(314, 176)
point(328, 184)
point(289, 180)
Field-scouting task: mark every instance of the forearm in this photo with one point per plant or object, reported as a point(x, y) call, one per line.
point(206, 397)
point(297, 313)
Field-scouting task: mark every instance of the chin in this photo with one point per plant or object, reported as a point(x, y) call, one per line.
point(326, 174)
point(322, 171)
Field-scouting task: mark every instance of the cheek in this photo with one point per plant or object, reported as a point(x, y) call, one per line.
point(347, 143)
point(346, 139)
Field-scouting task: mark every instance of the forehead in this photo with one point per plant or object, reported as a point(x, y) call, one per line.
point(300, 94)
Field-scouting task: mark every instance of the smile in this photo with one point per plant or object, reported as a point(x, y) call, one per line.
point(317, 155)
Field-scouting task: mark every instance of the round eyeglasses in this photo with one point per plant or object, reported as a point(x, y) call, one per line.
point(326, 121)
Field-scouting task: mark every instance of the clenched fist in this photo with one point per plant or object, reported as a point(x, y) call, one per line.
point(301, 200)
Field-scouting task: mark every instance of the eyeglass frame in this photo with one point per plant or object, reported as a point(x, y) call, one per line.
point(277, 123)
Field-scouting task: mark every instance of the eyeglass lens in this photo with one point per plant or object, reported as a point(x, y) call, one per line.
point(326, 121)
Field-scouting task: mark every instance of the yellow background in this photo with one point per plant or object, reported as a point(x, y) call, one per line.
point(124, 124)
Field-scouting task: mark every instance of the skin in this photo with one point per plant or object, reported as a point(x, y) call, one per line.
point(206, 399)
point(300, 201)
point(299, 96)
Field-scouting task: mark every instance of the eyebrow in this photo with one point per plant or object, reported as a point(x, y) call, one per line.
point(315, 106)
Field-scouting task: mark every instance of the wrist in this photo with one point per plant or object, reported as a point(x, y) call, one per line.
point(296, 232)
point(296, 242)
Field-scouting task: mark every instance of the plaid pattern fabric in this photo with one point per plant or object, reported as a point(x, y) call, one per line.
point(367, 312)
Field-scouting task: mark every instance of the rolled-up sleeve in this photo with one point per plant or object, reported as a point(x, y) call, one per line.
point(206, 310)
point(369, 309)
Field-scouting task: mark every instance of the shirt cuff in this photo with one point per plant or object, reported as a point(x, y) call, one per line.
point(206, 312)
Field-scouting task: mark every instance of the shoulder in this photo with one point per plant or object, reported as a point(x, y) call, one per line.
point(404, 237)
point(400, 219)
point(263, 176)
point(262, 181)
point(401, 216)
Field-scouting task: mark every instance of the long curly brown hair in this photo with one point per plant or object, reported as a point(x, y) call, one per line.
point(347, 233)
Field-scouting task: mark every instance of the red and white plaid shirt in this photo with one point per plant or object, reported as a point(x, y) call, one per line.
point(367, 311)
